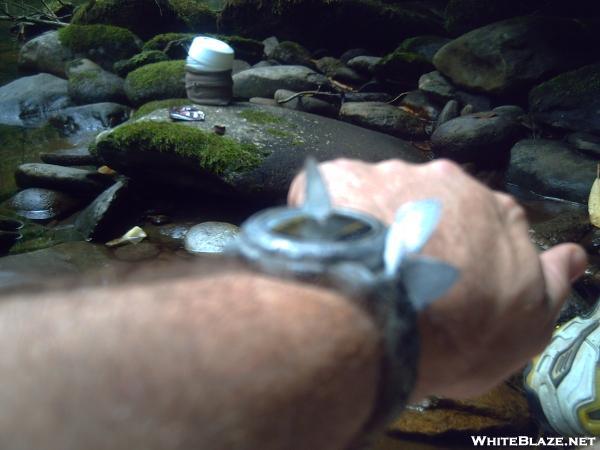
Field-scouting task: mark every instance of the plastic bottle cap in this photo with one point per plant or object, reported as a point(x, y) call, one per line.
point(210, 54)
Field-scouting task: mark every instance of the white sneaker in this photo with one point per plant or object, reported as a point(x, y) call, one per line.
point(564, 381)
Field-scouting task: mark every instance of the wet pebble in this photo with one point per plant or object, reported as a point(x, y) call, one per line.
point(210, 237)
point(43, 204)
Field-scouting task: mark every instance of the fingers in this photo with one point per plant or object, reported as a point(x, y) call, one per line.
point(561, 265)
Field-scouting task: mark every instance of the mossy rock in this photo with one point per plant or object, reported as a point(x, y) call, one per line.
point(426, 46)
point(197, 16)
point(292, 53)
point(208, 152)
point(156, 81)
point(152, 106)
point(96, 86)
point(163, 41)
point(103, 44)
point(249, 50)
point(403, 68)
point(122, 68)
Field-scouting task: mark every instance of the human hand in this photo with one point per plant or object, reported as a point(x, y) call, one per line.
point(502, 310)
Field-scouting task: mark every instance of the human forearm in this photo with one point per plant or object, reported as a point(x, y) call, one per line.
point(231, 361)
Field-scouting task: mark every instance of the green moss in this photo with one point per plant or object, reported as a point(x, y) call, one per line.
point(122, 68)
point(196, 15)
point(402, 67)
point(156, 81)
point(149, 107)
point(161, 41)
point(260, 117)
point(106, 40)
point(250, 50)
point(217, 154)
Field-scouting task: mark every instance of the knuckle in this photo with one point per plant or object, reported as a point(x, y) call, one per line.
point(445, 167)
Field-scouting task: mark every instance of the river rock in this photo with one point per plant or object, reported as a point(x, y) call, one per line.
point(259, 155)
point(553, 169)
point(336, 69)
point(24, 103)
point(529, 48)
point(210, 237)
point(270, 44)
point(419, 103)
point(571, 226)
point(156, 81)
point(482, 138)
point(43, 204)
point(89, 118)
point(449, 112)
point(426, 46)
point(79, 156)
point(437, 86)
point(586, 143)
point(110, 215)
point(79, 182)
point(240, 66)
point(123, 67)
point(364, 64)
point(513, 111)
point(96, 86)
point(385, 118)
point(292, 54)
point(45, 53)
point(570, 101)
point(265, 81)
point(309, 104)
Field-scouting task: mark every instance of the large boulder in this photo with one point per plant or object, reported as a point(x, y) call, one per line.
point(156, 81)
point(552, 169)
point(265, 81)
point(123, 67)
point(385, 118)
point(95, 85)
point(342, 24)
point(262, 150)
point(515, 54)
point(89, 118)
point(570, 101)
point(45, 53)
point(23, 101)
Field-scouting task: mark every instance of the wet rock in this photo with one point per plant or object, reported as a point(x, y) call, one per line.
point(418, 102)
point(45, 53)
point(137, 252)
point(552, 168)
point(79, 156)
point(258, 157)
point(437, 86)
point(402, 67)
point(513, 111)
point(449, 112)
point(64, 260)
point(123, 67)
point(482, 138)
point(572, 226)
point(210, 237)
point(43, 204)
point(467, 110)
point(352, 53)
point(530, 48)
point(309, 104)
point(156, 81)
point(426, 46)
point(240, 66)
point(270, 44)
point(265, 81)
point(480, 103)
point(502, 409)
point(265, 64)
point(24, 103)
point(385, 118)
point(79, 182)
point(96, 86)
point(110, 215)
point(89, 118)
point(334, 68)
point(569, 101)
point(292, 54)
point(364, 64)
point(586, 143)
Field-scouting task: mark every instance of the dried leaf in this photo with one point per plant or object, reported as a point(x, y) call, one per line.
point(594, 201)
point(133, 236)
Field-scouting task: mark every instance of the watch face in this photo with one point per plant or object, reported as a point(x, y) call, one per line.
point(336, 228)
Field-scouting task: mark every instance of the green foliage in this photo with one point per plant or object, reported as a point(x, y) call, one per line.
point(156, 82)
point(217, 154)
point(149, 107)
point(116, 42)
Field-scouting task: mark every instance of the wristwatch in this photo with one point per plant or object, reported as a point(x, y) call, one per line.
point(377, 267)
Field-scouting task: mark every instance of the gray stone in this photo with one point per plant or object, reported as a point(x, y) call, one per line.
point(210, 237)
point(240, 66)
point(293, 54)
point(109, 216)
point(513, 111)
point(285, 138)
point(79, 156)
point(585, 142)
point(96, 86)
point(480, 103)
point(467, 110)
point(437, 86)
point(384, 118)
point(79, 182)
point(309, 104)
point(270, 44)
point(89, 118)
point(515, 54)
point(337, 70)
point(449, 112)
point(483, 138)
point(265, 64)
point(569, 101)
point(352, 53)
point(265, 81)
point(418, 102)
point(552, 169)
point(45, 53)
point(364, 64)
point(27, 101)
point(426, 46)
point(81, 65)
point(43, 204)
